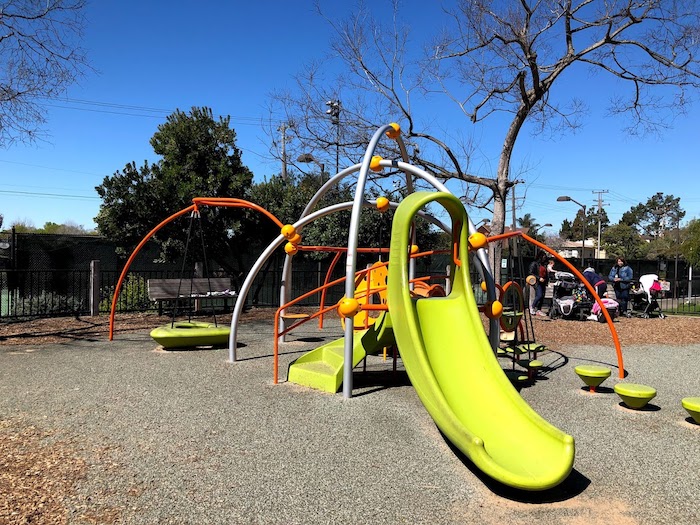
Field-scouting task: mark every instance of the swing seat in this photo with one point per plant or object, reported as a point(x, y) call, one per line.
point(190, 334)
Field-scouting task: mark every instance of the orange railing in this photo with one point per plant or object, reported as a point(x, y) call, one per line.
point(320, 312)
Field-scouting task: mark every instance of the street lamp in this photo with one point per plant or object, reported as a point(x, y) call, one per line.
point(308, 158)
point(548, 225)
point(565, 198)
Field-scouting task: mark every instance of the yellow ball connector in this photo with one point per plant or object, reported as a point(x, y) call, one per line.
point(374, 164)
point(477, 241)
point(382, 204)
point(288, 231)
point(493, 310)
point(348, 307)
point(394, 132)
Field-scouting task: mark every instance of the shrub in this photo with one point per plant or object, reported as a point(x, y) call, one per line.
point(133, 295)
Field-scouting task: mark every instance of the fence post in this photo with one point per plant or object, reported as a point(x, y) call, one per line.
point(94, 288)
point(690, 284)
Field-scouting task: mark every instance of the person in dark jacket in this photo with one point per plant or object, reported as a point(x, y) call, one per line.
point(534, 271)
point(596, 280)
point(541, 286)
point(621, 276)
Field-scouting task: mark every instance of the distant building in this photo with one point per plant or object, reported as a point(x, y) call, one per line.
point(572, 250)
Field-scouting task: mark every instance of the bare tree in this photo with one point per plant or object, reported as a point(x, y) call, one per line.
point(41, 56)
point(496, 56)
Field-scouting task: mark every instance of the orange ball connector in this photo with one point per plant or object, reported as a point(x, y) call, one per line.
point(493, 310)
point(374, 164)
point(382, 204)
point(295, 239)
point(394, 132)
point(290, 249)
point(483, 286)
point(349, 307)
point(477, 241)
point(414, 249)
point(288, 231)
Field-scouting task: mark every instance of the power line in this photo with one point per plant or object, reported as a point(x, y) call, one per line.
point(141, 111)
point(50, 195)
point(50, 168)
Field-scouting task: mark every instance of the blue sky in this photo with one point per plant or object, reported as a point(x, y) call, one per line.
point(151, 59)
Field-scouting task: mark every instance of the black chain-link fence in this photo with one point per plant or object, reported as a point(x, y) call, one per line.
point(49, 275)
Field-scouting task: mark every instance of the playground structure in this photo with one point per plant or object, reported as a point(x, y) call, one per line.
point(448, 356)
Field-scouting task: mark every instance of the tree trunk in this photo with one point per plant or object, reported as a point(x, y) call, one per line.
point(503, 185)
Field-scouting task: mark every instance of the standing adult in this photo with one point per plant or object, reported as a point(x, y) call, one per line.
point(621, 277)
point(542, 280)
point(533, 272)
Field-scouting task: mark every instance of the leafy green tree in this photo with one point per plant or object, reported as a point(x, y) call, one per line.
point(529, 222)
point(199, 159)
point(621, 240)
point(660, 214)
point(23, 226)
point(68, 228)
point(565, 230)
point(288, 197)
point(690, 247)
point(573, 231)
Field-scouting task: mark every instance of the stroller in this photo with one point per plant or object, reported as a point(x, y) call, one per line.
point(569, 298)
point(611, 306)
point(643, 296)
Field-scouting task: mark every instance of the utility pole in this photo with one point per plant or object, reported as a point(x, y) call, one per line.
point(334, 112)
point(283, 129)
point(600, 212)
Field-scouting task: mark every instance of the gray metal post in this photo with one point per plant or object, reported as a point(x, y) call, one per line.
point(94, 288)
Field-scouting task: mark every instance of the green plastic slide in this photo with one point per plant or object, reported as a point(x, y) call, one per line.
point(449, 361)
point(322, 368)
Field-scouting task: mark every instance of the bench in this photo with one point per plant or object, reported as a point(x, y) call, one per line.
point(198, 288)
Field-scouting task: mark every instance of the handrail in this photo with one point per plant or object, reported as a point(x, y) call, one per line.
point(279, 333)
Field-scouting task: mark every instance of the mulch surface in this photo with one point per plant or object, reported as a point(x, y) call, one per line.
point(38, 474)
point(674, 330)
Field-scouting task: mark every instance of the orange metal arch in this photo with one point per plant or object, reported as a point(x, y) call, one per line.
point(150, 234)
point(197, 201)
point(227, 202)
point(594, 294)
